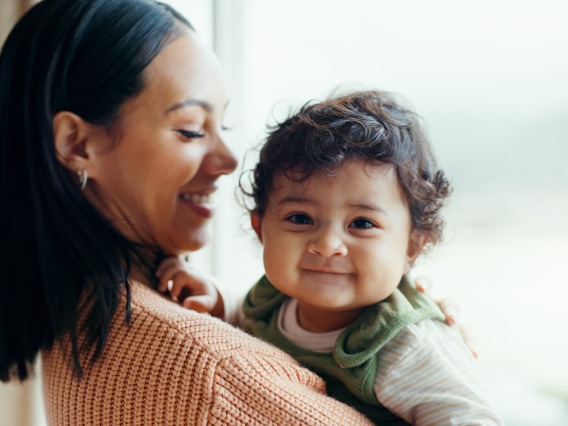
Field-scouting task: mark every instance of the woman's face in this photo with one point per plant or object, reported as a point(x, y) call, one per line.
point(154, 176)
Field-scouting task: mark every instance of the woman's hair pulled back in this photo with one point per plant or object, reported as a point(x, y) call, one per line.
point(87, 57)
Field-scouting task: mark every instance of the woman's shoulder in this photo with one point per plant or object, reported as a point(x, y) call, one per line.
point(154, 315)
point(168, 363)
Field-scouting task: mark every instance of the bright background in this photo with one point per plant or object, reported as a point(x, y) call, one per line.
point(489, 78)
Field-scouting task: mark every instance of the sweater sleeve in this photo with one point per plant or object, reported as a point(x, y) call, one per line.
point(173, 366)
point(428, 377)
point(254, 389)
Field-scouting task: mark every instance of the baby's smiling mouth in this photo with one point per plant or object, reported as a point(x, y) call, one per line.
point(325, 270)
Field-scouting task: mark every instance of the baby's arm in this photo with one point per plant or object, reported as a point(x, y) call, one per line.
point(428, 377)
point(189, 287)
point(199, 291)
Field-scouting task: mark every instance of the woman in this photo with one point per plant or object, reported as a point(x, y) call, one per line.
point(110, 119)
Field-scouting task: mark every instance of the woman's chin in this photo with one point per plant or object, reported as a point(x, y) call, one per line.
point(196, 241)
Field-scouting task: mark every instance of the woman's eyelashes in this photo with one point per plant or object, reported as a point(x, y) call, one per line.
point(190, 134)
point(195, 134)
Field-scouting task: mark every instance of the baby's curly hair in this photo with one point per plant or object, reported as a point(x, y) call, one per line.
point(368, 125)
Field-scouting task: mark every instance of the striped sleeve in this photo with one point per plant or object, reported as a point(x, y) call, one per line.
point(427, 376)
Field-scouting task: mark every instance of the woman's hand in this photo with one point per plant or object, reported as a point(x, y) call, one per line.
point(450, 309)
point(189, 287)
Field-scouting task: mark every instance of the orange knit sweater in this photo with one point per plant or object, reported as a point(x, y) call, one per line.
point(172, 366)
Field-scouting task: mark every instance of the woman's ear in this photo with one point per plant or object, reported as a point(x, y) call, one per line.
point(70, 133)
point(256, 223)
point(416, 243)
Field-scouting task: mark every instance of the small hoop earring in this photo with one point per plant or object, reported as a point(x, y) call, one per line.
point(83, 177)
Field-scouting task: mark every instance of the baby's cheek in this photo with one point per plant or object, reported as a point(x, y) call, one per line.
point(271, 264)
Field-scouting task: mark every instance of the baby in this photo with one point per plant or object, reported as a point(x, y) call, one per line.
point(346, 195)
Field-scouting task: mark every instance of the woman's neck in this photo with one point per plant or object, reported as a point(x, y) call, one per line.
point(142, 276)
point(142, 269)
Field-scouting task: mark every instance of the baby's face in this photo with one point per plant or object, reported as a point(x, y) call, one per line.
point(337, 243)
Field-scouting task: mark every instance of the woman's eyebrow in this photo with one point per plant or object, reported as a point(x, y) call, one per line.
point(188, 102)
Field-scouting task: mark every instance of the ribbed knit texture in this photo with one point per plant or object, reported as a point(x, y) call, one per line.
point(172, 366)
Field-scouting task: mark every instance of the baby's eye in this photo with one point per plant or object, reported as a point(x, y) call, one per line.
point(190, 134)
point(361, 223)
point(300, 219)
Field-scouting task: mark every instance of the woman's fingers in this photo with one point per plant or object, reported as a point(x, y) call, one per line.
point(450, 309)
point(452, 313)
point(469, 340)
point(423, 285)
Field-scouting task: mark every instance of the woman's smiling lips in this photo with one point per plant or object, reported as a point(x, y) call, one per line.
point(203, 204)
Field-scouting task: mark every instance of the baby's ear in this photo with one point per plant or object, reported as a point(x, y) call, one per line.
point(256, 223)
point(416, 243)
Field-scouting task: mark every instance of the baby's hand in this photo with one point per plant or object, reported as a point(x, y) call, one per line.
point(189, 287)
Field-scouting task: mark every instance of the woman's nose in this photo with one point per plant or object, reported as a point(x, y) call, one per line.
point(222, 161)
point(327, 243)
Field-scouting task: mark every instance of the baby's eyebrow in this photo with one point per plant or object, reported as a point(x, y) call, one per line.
point(369, 206)
point(293, 199)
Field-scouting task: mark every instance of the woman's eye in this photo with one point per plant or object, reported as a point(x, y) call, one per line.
point(300, 219)
point(362, 224)
point(190, 134)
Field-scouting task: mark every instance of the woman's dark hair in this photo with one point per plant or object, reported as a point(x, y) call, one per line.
point(367, 125)
point(87, 57)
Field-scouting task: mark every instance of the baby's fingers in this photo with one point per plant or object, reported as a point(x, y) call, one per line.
point(200, 303)
point(184, 285)
point(165, 279)
point(166, 271)
point(168, 263)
